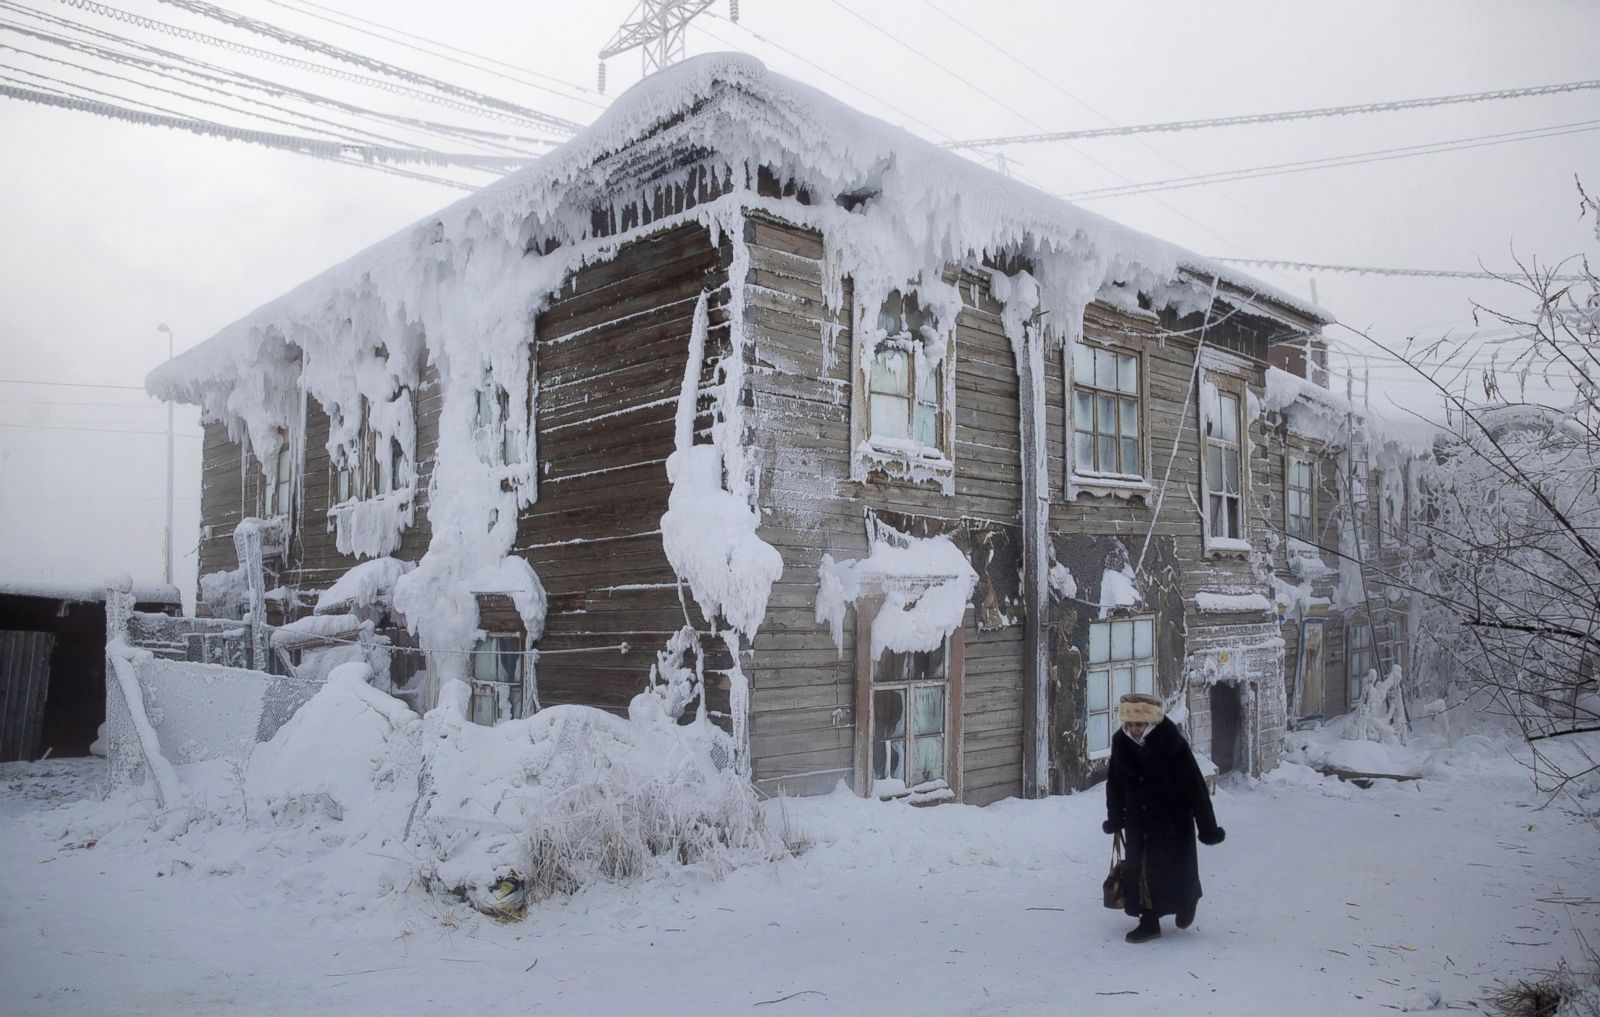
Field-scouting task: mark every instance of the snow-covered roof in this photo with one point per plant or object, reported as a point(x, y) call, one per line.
point(86, 592)
point(733, 105)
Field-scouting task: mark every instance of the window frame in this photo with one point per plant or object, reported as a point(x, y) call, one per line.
point(502, 643)
point(954, 649)
point(491, 412)
point(370, 477)
point(1112, 663)
point(1093, 477)
point(277, 493)
point(1354, 681)
point(1308, 491)
point(886, 455)
point(1228, 386)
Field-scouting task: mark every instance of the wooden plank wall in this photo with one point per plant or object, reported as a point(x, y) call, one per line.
point(24, 686)
point(609, 362)
point(802, 722)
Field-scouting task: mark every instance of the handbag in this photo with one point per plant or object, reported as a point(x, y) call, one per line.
point(1115, 886)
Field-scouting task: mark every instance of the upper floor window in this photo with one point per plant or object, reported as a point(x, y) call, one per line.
point(1106, 413)
point(904, 420)
point(1122, 659)
point(278, 497)
point(492, 436)
point(1224, 464)
point(1300, 498)
point(376, 465)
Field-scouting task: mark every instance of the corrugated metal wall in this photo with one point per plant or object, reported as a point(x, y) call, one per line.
point(24, 684)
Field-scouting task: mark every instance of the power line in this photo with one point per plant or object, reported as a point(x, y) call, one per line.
point(378, 66)
point(70, 384)
point(1306, 266)
point(1380, 155)
point(1265, 118)
point(99, 430)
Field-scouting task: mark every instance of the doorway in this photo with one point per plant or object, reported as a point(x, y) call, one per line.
point(1226, 727)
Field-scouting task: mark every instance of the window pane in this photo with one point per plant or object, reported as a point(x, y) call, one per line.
point(1213, 468)
point(1099, 642)
point(1130, 418)
point(1083, 364)
point(1229, 424)
point(1105, 370)
point(1144, 679)
point(1084, 457)
point(928, 424)
point(1130, 456)
point(1219, 515)
point(1099, 732)
point(890, 416)
point(1143, 638)
point(1082, 410)
point(1099, 691)
point(1231, 503)
point(1108, 453)
point(1106, 417)
point(929, 762)
point(1122, 640)
point(1230, 470)
point(928, 719)
point(1127, 374)
point(1121, 682)
point(889, 373)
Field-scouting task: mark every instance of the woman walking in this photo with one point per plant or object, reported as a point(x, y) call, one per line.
point(1156, 797)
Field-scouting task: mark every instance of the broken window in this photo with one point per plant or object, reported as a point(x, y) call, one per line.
point(497, 678)
point(1300, 498)
point(1122, 659)
point(1106, 413)
point(910, 736)
point(1224, 460)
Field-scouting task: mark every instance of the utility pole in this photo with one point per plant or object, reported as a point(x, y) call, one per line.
point(167, 577)
point(655, 29)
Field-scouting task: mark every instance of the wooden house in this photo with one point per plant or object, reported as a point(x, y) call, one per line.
point(913, 468)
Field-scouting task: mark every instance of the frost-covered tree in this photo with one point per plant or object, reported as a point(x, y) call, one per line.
point(1504, 562)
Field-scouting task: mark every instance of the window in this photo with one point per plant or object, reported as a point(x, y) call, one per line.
point(910, 696)
point(1122, 659)
point(491, 432)
point(375, 467)
point(278, 499)
point(497, 686)
point(1106, 413)
point(1223, 468)
point(1358, 660)
point(1299, 498)
point(903, 408)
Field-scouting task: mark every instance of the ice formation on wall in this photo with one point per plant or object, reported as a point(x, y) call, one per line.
point(925, 583)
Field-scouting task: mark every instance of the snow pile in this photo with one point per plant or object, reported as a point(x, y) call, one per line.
point(925, 582)
point(1380, 714)
point(544, 805)
point(367, 584)
point(1207, 602)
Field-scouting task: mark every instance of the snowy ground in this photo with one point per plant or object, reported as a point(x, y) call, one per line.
point(1324, 899)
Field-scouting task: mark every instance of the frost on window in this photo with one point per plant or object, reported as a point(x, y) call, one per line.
point(492, 435)
point(1223, 467)
point(1359, 659)
point(906, 414)
point(278, 497)
point(1121, 660)
point(497, 665)
point(910, 692)
point(1106, 413)
point(1298, 499)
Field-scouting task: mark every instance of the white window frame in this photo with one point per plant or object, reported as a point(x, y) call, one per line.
point(509, 699)
point(1294, 464)
point(1109, 666)
point(1228, 387)
point(1127, 369)
point(930, 384)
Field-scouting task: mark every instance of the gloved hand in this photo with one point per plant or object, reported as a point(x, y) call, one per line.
point(1108, 827)
point(1214, 836)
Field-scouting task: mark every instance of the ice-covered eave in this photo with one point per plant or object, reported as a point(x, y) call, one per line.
point(732, 105)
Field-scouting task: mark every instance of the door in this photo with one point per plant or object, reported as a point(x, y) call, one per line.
point(24, 683)
point(1225, 727)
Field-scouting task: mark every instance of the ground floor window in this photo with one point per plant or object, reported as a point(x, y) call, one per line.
point(1358, 660)
point(1122, 659)
point(497, 678)
point(910, 699)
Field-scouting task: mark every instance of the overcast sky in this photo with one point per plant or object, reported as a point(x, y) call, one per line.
point(112, 228)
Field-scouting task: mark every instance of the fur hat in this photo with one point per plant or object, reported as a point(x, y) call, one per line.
point(1138, 708)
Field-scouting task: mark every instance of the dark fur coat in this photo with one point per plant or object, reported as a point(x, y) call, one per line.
point(1156, 796)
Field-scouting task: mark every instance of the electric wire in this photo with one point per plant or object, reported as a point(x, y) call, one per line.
point(70, 384)
point(1266, 118)
point(1330, 162)
point(321, 48)
point(99, 430)
point(1440, 273)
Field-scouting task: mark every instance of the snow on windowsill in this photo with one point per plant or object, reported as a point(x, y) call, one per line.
point(1231, 603)
point(905, 460)
point(1227, 547)
point(1119, 487)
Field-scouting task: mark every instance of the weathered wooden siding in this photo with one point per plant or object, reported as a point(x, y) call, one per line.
point(609, 360)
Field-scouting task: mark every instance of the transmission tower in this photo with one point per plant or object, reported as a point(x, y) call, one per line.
point(655, 29)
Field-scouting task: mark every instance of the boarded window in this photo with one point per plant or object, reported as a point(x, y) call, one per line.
point(1122, 659)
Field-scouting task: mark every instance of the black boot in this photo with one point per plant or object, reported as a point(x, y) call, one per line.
point(1185, 916)
point(1149, 928)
